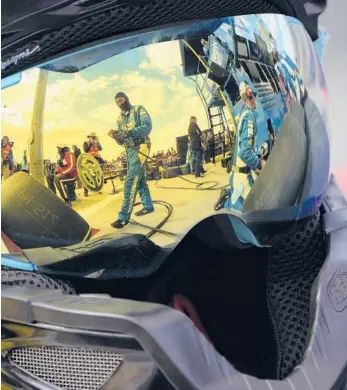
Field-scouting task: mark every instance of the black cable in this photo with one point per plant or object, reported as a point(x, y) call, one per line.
point(198, 185)
point(213, 186)
point(157, 229)
point(169, 207)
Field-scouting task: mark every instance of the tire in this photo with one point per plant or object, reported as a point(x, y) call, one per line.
point(33, 216)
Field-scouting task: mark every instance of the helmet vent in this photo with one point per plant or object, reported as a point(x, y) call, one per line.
point(294, 265)
point(119, 19)
point(67, 367)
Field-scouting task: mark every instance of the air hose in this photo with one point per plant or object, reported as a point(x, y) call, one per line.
point(156, 229)
point(212, 186)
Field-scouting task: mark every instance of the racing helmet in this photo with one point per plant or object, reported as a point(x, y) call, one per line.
point(244, 273)
point(5, 139)
point(245, 91)
point(62, 148)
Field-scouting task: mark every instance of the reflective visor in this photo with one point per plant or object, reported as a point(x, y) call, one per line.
point(154, 132)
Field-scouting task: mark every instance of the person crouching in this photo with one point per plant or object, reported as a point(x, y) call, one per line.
point(66, 172)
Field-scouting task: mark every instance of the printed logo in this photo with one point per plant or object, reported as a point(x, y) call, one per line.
point(18, 57)
point(337, 290)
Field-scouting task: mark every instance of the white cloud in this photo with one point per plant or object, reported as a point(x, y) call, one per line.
point(75, 105)
point(163, 57)
point(279, 28)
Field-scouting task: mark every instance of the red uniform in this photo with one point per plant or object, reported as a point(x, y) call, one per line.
point(69, 167)
point(94, 151)
point(5, 153)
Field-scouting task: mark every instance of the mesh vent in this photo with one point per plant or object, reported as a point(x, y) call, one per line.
point(293, 267)
point(67, 368)
point(12, 278)
point(210, 233)
point(127, 18)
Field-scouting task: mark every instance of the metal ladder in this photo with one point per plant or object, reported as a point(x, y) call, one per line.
point(216, 117)
point(218, 124)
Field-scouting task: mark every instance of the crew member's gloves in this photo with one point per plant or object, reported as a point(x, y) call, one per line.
point(118, 136)
point(122, 138)
point(265, 150)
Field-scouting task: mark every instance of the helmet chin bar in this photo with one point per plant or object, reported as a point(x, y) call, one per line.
point(269, 274)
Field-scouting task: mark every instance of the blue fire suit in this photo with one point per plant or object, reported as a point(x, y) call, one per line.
point(246, 157)
point(136, 124)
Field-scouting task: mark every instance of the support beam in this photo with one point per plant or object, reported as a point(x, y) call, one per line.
point(36, 157)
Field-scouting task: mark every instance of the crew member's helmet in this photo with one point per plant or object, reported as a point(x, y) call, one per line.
point(246, 91)
point(62, 148)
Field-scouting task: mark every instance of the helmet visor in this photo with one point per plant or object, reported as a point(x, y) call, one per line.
point(192, 121)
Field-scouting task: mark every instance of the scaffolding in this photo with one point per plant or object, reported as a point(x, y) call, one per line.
point(214, 101)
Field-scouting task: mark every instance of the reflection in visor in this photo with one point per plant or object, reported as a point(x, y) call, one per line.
point(185, 126)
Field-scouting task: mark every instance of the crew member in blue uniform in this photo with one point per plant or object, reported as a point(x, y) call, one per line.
point(133, 128)
point(246, 163)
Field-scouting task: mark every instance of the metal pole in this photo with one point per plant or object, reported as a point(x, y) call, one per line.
point(36, 157)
